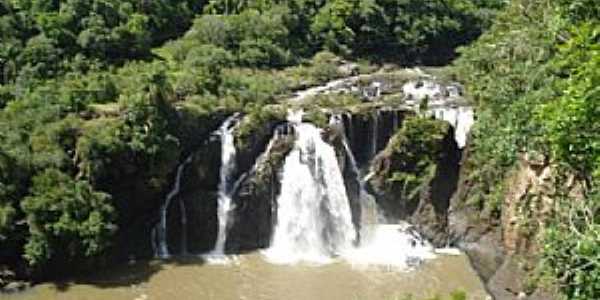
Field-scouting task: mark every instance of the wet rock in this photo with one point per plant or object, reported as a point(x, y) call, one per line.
point(255, 199)
point(15, 287)
point(348, 69)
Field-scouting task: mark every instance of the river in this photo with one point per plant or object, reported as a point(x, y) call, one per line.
point(251, 277)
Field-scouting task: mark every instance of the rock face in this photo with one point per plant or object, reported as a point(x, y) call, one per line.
point(255, 200)
point(249, 221)
point(199, 194)
point(503, 248)
point(8, 282)
point(140, 197)
point(415, 176)
point(431, 214)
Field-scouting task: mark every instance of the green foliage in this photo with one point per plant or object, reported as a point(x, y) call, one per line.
point(542, 98)
point(8, 193)
point(414, 152)
point(256, 120)
point(333, 101)
point(67, 219)
point(326, 63)
point(456, 295)
point(571, 250)
point(507, 80)
point(41, 36)
point(399, 29)
point(572, 122)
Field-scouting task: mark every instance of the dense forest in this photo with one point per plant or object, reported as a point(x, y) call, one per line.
point(90, 86)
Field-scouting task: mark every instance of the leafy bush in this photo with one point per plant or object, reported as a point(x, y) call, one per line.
point(572, 122)
point(413, 154)
point(67, 219)
point(571, 251)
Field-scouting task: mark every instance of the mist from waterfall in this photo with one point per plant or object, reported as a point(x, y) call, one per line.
point(390, 245)
point(226, 184)
point(314, 220)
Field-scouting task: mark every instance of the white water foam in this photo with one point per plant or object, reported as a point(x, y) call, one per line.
point(226, 186)
point(314, 221)
point(390, 246)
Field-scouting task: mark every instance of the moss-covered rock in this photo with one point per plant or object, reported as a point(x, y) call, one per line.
point(415, 176)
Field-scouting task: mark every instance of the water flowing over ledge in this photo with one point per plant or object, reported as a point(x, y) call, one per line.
point(161, 249)
point(226, 184)
point(314, 220)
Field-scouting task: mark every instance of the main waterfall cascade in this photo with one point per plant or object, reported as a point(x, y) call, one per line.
point(314, 220)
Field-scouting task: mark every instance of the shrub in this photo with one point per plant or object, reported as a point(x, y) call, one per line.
point(67, 219)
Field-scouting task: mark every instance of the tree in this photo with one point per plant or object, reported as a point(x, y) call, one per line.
point(42, 55)
point(210, 60)
point(68, 220)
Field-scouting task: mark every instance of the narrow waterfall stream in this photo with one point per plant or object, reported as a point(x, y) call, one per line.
point(162, 249)
point(461, 118)
point(314, 221)
point(447, 107)
point(369, 211)
point(374, 134)
point(226, 184)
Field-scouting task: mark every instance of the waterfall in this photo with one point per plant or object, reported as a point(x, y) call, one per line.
point(162, 251)
point(226, 186)
point(461, 118)
point(444, 102)
point(394, 246)
point(314, 220)
point(375, 133)
point(369, 211)
point(350, 128)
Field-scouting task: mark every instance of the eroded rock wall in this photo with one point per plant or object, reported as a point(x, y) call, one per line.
point(504, 248)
